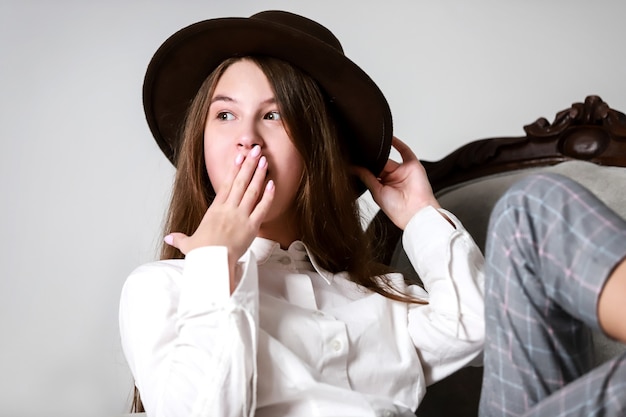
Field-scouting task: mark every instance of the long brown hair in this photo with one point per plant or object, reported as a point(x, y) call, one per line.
point(327, 211)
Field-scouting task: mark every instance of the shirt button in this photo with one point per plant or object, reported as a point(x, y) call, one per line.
point(336, 345)
point(284, 260)
point(318, 313)
point(388, 413)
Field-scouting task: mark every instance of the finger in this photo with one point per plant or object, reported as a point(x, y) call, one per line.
point(405, 151)
point(255, 187)
point(177, 240)
point(244, 176)
point(263, 207)
point(222, 194)
point(370, 181)
point(389, 167)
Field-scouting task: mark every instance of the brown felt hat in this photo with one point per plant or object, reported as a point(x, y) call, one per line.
point(185, 59)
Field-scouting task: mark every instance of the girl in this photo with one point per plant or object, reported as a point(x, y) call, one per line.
point(277, 308)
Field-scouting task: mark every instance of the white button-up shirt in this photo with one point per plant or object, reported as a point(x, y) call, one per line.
point(296, 340)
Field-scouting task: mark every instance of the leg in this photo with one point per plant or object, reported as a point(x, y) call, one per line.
point(601, 392)
point(612, 304)
point(550, 248)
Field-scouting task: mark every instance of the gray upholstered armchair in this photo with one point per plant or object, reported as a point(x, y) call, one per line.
point(586, 142)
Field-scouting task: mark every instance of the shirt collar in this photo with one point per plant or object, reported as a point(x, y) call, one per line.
point(263, 250)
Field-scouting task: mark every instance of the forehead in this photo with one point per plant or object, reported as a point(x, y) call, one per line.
point(243, 76)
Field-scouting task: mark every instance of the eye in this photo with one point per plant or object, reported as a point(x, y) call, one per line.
point(273, 115)
point(225, 115)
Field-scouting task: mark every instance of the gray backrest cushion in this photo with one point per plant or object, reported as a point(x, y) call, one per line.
point(472, 202)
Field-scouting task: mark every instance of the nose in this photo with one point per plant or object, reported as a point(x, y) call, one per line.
point(248, 138)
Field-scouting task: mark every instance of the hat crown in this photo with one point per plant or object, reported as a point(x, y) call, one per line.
point(300, 24)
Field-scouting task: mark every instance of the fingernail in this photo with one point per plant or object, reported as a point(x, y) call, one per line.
point(270, 185)
point(262, 162)
point(169, 239)
point(238, 159)
point(255, 151)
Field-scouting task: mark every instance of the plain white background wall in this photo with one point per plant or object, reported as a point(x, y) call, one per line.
point(84, 187)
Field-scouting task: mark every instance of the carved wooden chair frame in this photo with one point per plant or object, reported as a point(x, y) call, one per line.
point(589, 131)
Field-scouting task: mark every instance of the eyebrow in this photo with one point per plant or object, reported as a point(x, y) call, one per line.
point(221, 97)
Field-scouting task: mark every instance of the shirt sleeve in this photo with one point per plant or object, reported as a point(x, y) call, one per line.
point(448, 332)
point(189, 343)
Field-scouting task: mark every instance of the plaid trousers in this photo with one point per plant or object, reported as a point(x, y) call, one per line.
point(551, 245)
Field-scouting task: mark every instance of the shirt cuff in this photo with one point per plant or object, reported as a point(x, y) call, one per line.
point(205, 282)
point(427, 236)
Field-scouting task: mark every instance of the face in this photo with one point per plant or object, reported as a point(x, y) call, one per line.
point(244, 113)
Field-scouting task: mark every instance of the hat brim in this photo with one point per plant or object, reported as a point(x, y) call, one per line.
point(183, 62)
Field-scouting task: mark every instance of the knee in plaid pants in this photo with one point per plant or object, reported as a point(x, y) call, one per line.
point(551, 245)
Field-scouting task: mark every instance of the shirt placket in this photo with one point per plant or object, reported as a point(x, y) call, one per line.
point(334, 365)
